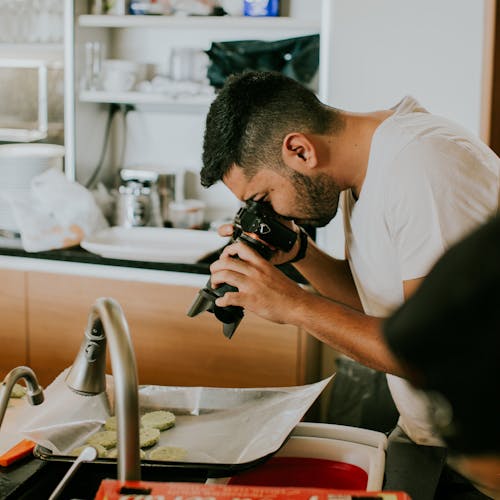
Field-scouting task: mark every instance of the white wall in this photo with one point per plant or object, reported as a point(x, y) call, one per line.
point(385, 49)
point(378, 51)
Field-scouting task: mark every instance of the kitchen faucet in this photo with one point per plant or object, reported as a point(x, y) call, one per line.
point(34, 392)
point(87, 377)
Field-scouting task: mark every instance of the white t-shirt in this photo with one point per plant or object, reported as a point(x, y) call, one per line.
point(428, 183)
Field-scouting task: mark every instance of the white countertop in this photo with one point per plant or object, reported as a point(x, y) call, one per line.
point(103, 271)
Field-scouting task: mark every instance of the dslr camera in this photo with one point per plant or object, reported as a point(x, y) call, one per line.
point(257, 225)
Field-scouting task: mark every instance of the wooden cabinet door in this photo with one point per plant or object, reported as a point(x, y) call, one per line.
point(13, 337)
point(171, 349)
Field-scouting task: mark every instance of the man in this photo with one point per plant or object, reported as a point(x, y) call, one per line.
point(448, 336)
point(411, 184)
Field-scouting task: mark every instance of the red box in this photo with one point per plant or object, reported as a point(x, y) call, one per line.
point(111, 489)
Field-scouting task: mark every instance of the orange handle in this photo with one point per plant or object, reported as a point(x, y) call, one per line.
point(18, 451)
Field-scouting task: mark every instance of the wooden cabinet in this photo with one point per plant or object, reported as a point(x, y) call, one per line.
point(13, 321)
point(171, 349)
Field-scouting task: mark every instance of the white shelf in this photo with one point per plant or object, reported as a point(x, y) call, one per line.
point(100, 96)
point(33, 46)
point(209, 22)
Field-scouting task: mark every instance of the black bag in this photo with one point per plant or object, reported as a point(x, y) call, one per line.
point(297, 58)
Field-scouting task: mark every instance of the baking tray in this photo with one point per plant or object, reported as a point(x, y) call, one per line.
point(223, 430)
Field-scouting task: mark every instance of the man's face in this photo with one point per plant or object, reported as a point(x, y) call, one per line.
point(308, 200)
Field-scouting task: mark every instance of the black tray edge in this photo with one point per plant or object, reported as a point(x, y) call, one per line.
point(213, 470)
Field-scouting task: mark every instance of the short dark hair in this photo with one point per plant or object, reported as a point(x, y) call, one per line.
point(251, 115)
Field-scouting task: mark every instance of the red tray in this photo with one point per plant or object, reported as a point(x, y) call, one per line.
point(305, 473)
point(115, 490)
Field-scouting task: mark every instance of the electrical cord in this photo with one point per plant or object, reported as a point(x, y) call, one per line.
point(113, 109)
point(125, 111)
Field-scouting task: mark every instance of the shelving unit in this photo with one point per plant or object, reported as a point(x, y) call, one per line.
point(127, 36)
point(164, 126)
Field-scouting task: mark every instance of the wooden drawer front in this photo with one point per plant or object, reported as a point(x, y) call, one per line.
point(14, 349)
point(171, 349)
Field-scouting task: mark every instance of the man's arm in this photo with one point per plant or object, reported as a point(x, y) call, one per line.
point(346, 330)
point(330, 277)
point(268, 293)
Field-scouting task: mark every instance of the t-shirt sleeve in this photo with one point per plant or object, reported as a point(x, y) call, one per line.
point(433, 200)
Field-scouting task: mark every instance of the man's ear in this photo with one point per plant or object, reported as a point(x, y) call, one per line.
point(299, 152)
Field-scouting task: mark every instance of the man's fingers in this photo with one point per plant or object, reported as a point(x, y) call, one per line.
point(228, 299)
point(244, 252)
point(229, 263)
point(230, 277)
point(225, 229)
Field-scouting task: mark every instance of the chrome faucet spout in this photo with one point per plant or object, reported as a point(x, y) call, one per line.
point(107, 324)
point(34, 392)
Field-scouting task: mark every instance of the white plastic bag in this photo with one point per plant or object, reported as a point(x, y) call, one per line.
point(57, 213)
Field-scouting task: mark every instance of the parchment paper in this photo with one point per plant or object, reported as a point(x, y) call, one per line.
point(214, 425)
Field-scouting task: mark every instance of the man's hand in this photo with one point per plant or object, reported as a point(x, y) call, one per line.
point(262, 288)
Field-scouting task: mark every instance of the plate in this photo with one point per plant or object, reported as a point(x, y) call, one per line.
point(154, 244)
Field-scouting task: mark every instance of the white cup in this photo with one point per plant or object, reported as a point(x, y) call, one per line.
point(119, 75)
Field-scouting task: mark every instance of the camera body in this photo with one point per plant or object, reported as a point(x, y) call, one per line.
point(257, 225)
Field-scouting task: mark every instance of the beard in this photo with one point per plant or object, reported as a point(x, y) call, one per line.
point(317, 198)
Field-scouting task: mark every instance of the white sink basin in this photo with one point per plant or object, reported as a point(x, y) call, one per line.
point(362, 448)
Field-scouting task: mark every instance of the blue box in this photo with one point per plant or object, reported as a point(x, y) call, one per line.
point(261, 8)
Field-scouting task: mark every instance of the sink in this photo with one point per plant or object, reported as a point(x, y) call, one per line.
point(87, 479)
point(360, 447)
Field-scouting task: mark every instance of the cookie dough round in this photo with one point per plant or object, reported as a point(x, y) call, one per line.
point(108, 439)
point(101, 451)
point(168, 453)
point(148, 437)
point(160, 419)
point(18, 391)
point(111, 424)
point(114, 453)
